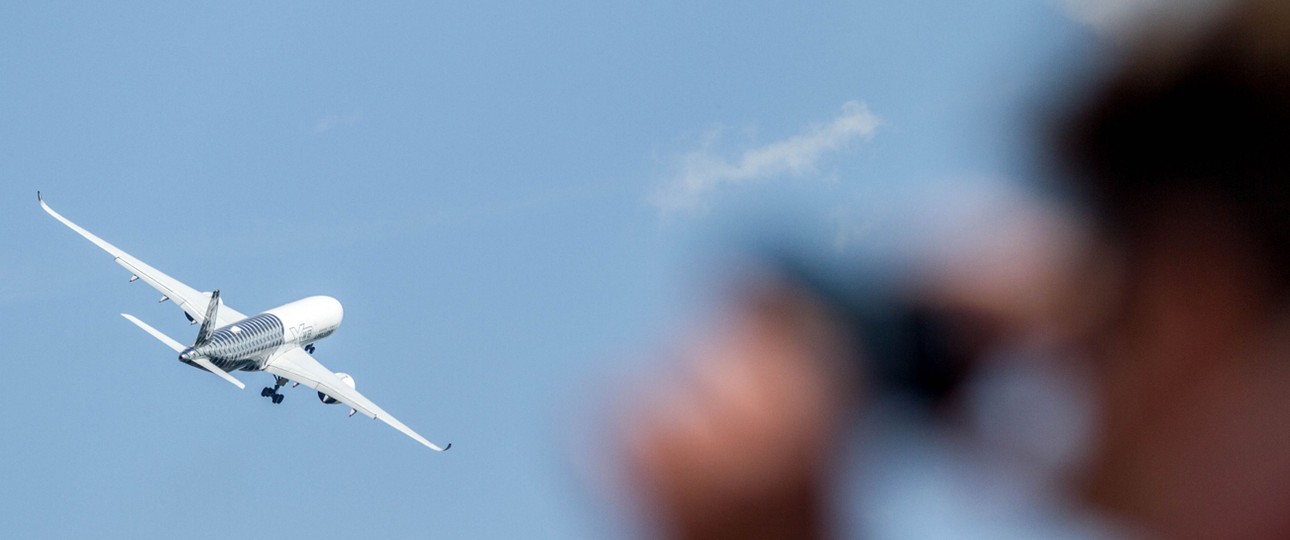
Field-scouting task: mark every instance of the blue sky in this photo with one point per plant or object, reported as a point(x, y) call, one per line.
point(516, 204)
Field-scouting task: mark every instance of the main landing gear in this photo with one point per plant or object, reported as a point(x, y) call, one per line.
point(272, 391)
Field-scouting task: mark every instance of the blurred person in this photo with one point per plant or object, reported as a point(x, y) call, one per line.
point(1174, 306)
point(1185, 157)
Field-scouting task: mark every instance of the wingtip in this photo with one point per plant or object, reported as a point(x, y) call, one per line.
point(40, 197)
point(446, 448)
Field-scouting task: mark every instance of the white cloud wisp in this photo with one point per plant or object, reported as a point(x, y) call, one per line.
point(701, 172)
point(334, 121)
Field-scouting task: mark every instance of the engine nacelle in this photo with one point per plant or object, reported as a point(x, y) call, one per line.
point(344, 377)
point(308, 320)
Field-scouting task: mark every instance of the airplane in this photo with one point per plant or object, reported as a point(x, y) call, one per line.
point(279, 341)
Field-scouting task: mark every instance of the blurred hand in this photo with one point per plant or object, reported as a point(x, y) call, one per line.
point(740, 446)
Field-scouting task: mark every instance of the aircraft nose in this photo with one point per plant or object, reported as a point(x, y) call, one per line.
point(186, 355)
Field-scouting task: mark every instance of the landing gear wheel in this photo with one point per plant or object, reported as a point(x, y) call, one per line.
point(266, 392)
point(277, 398)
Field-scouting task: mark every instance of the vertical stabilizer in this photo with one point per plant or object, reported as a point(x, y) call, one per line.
point(208, 323)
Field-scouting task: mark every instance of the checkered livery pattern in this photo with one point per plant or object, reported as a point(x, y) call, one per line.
point(244, 345)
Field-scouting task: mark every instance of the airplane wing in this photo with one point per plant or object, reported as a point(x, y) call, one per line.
point(299, 366)
point(193, 302)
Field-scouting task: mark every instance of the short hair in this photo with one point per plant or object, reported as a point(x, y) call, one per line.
point(1209, 114)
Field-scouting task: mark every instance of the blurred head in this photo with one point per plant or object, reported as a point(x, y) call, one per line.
point(1183, 156)
point(1199, 120)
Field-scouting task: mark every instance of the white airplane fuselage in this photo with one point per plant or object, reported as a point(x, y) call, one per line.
point(248, 344)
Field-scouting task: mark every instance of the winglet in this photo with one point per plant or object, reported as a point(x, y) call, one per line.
point(44, 205)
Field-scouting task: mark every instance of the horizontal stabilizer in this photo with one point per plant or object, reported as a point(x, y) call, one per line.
point(200, 361)
point(154, 332)
point(206, 363)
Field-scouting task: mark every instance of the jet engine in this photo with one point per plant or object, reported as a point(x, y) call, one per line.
point(344, 377)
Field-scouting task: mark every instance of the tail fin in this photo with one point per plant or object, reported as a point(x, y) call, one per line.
point(208, 324)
